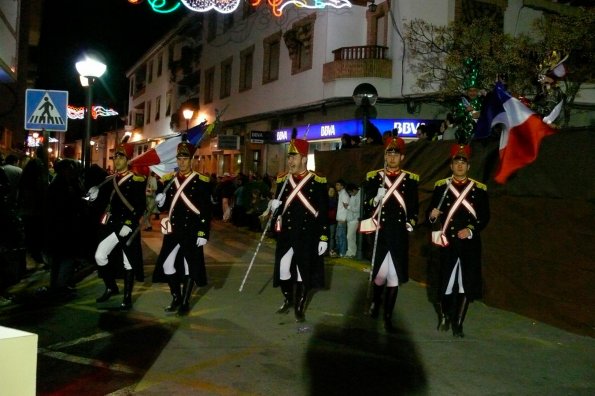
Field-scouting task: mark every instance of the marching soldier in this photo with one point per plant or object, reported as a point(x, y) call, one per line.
point(302, 230)
point(186, 229)
point(461, 206)
point(391, 198)
point(125, 192)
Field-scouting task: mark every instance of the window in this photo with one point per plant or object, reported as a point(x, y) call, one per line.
point(160, 65)
point(270, 67)
point(248, 9)
point(246, 62)
point(150, 73)
point(211, 25)
point(139, 119)
point(148, 118)
point(168, 104)
point(225, 90)
point(209, 85)
point(227, 22)
point(299, 42)
point(157, 108)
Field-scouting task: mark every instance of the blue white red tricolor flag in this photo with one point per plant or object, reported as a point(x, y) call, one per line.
point(521, 136)
point(162, 158)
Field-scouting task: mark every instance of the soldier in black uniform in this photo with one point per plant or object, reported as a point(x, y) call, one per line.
point(302, 230)
point(125, 194)
point(186, 229)
point(464, 213)
point(391, 201)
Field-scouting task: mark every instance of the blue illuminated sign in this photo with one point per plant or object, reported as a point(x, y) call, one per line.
point(407, 128)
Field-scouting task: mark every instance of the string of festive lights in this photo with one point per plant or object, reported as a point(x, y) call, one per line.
point(164, 6)
point(222, 6)
point(229, 6)
point(78, 113)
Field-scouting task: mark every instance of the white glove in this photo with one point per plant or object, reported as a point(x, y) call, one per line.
point(93, 193)
point(409, 227)
point(275, 203)
point(380, 194)
point(125, 231)
point(322, 245)
point(201, 242)
point(160, 199)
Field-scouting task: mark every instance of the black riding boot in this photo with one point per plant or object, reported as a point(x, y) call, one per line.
point(301, 295)
point(287, 290)
point(128, 285)
point(111, 288)
point(176, 293)
point(444, 313)
point(187, 293)
point(457, 325)
point(376, 300)
point(389, 305)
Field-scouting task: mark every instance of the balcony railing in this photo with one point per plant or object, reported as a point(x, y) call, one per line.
point(363, 61)
point(360, 52)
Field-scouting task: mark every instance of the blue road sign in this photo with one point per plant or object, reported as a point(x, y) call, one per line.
point(46, 109)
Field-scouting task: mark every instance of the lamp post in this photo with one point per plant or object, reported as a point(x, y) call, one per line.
point(90, 70)
point(187, 113)
point(364, 96)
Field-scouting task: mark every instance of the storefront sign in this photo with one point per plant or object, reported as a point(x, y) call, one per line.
point(261, 137)
point(407, 128)
point(228, 142)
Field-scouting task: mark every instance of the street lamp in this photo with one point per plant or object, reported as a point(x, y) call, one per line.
point(90, 69)
point(364, 96)
point(187, 113)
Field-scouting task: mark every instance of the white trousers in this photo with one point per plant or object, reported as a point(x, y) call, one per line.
point(352, 237)
point(387, 273)
point(455, 276)
point(105, 247)
point(285, 267)
point(169, 267)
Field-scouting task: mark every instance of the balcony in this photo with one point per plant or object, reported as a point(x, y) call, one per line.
point(358, 62)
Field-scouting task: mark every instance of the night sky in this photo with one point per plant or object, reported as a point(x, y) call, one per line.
point(119, 31)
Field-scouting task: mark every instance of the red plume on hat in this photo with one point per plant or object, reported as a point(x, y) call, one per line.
point(124, 148)
point(460, 151)
point(394, 144)
point(297, 146)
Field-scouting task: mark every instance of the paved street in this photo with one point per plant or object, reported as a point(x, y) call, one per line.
point(234, 343)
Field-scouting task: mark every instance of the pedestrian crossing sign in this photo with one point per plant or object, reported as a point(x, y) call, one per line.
point(46, 110)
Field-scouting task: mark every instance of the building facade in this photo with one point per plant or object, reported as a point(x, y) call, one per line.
point(272, 74)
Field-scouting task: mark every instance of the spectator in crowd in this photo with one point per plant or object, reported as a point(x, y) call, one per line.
point(150, 192)
point(342, 204)
point(353, 215)
point(13, 174)
point(258, 205)
point(226, 191)
point(240, 201)
point(332, 220)
point(12, 247)
point(448, 128)
point(31, 201)
point(64, 227)
point(346, 141)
